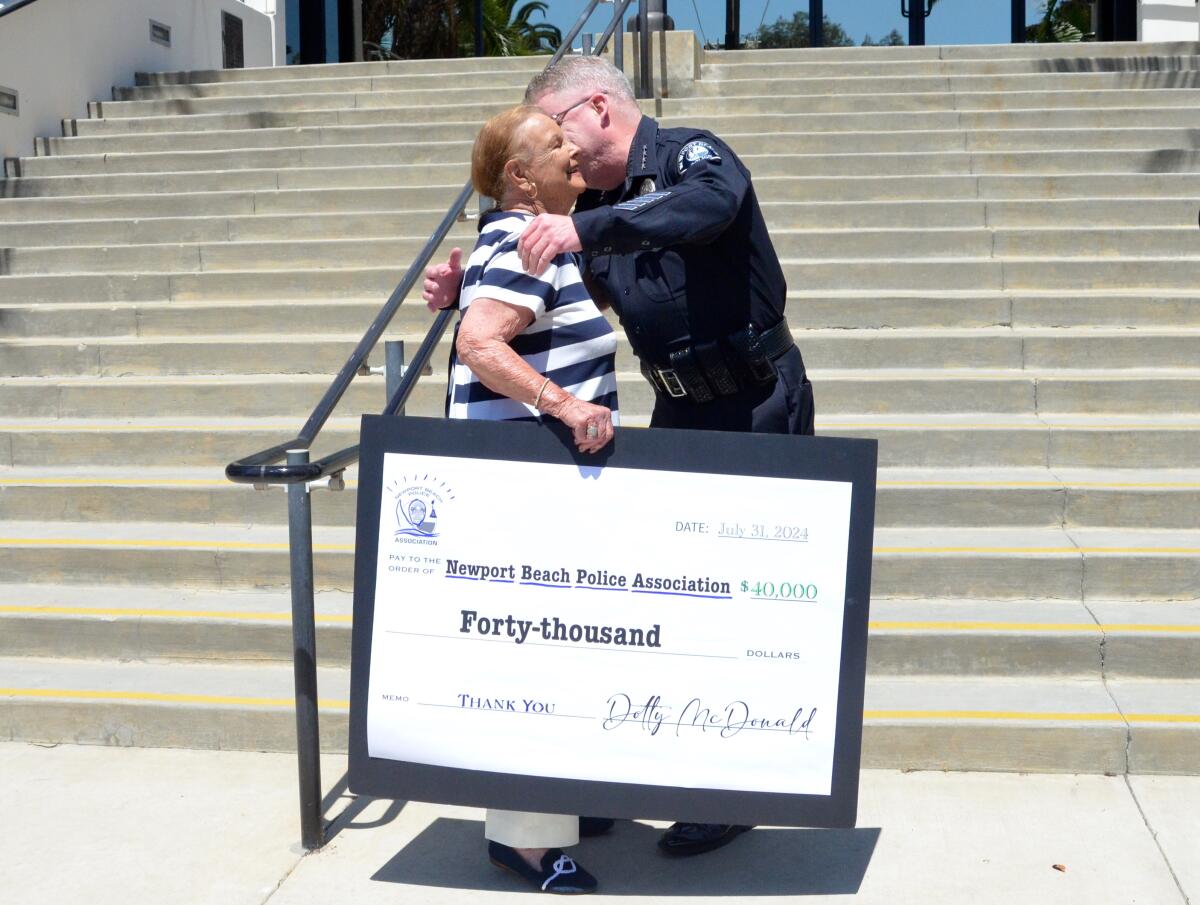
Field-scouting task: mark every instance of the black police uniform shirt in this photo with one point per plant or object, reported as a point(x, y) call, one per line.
point(681, 250)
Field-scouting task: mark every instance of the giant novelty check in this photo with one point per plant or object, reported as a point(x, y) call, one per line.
point(677, 629)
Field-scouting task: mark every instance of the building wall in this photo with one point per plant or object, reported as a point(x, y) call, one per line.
point(1169, 20)
point(60, 54)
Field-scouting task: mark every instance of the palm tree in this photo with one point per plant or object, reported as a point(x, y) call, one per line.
point(417, 29)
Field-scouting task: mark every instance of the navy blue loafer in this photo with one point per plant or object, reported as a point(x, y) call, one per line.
point(558, 874)
point(696, 838)
point(594, 826)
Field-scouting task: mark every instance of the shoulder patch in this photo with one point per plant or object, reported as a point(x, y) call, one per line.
point(694, 152)
point(641, 202)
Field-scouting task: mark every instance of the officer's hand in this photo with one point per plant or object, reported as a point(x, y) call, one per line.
point(546, 236)
point(443, 281)
point(579, 415)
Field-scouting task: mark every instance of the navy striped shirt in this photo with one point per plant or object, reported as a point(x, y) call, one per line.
point(569, 340)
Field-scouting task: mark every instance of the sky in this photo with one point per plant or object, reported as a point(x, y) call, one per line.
point(952, 21)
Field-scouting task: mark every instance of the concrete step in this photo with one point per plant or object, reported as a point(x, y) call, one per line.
point(352, 251)
point(398, 106)
point(184, 257)
point(414, 80)
point(433, 143)
point(954, 84)
point(733, 119)
point(1077, 726)
point(993, 440)
point(987, 563)
point(335, 250)
point(1053, 440)
point(177, 195)
point(480, 103)
point(385, 67)
point(839, 76)
point(884, 275)
point(792, 69)
point(1051, 98)
point(908, 637)
point(251, 228)
point(966, 497)
point(1065, 57)
point(328, 167)
point(873, 391)
point(1031, 350)
point(1097, 215)
point(847, 309)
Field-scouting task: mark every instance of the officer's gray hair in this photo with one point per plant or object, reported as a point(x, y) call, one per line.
point(583, 73)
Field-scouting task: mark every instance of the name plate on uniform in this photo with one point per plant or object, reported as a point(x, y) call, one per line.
point(674, 629)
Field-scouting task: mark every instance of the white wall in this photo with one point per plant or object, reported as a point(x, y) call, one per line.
point(1169, 20)
point(60, 54)
point(277, 9)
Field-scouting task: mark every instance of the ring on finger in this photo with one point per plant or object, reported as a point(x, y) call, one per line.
point(592, 432)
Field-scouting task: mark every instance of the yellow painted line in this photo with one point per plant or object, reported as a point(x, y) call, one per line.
point(1025, 716)
point(204, 482)
point(142, 428)
point(112, 482)
point(158, 614)
point(966, 626)
point(1005, 715)
point(157, 697)
point(126, 482)
point(348, 548)
point(225, 426)
point(983, 626)
point(169, 544)
point(1065, 485)
point(1035, 550)
point(833, 428)
point(346, 619)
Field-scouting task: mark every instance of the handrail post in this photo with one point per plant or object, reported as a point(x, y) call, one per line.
point(645, 82)
point(1018, 21)
point(618, 38)
point(304, 656)
point(393, 367)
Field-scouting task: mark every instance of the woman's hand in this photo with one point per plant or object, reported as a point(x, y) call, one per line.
point(591, 424)
point(442, 282)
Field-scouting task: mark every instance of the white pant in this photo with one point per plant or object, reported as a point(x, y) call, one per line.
point(522, 829)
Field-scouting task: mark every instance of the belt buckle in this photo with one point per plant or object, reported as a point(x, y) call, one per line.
point(671, 382)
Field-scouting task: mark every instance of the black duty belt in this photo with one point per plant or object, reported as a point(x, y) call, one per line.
point(705, 371)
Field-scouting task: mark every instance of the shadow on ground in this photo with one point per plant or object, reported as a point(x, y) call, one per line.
point(766, 862)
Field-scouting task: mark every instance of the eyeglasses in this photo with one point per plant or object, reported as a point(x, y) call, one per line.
point(559, 117)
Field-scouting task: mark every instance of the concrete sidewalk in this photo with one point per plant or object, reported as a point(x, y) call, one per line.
point(109, 825)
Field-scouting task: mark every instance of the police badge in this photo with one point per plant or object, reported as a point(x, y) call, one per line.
point(646, 186)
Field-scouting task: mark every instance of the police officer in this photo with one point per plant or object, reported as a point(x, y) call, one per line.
point(675, 242)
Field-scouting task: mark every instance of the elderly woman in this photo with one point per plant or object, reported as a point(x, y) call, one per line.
point(531, 349)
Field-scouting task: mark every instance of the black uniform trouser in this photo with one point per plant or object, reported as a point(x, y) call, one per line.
point(784, 407)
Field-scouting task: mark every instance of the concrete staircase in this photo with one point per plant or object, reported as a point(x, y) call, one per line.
point(993, 261)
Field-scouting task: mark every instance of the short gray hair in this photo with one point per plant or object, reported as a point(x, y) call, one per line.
point(582, 73)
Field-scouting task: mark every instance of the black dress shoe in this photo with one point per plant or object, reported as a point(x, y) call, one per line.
point(697, 838)
point(558, 873)
point(594, 826)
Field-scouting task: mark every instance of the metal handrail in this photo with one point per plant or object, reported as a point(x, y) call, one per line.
point(299, 474)
point(14, 6)
point(262, 468)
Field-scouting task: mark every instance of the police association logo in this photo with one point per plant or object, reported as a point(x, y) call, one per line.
point(694, 152)
point(420, 504)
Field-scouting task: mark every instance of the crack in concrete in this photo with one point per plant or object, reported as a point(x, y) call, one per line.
point(1154, 835)
point(291, 870)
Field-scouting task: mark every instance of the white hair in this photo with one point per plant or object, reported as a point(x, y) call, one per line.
point(582, 73)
